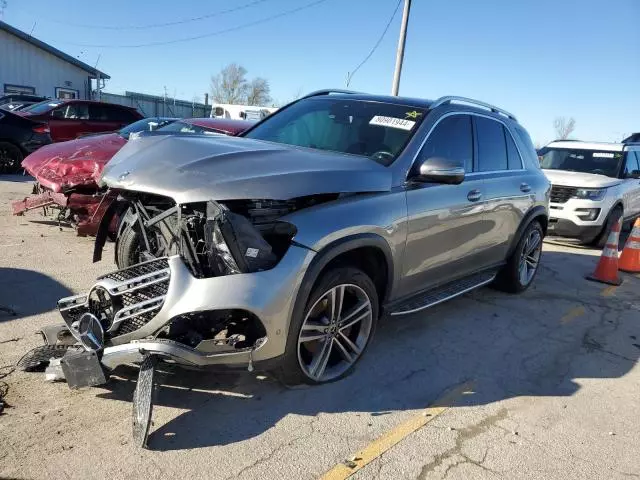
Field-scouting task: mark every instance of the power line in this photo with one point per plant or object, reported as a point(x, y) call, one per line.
point(158, 25)
point(384, 32)
point(206, 35)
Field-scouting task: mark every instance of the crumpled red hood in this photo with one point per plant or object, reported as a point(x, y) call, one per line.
point(63, 165)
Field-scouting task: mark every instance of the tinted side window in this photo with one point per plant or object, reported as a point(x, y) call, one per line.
point(632, 163)
point(123, 115)
point(72, 111)
point(513, 156)
point(451, 139)
point(492, 151)
point(98, 112)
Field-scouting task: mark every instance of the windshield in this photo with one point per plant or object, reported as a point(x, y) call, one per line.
point(184, 127)
point(579, 160)
point(371, 129)
point(42, 107)
point(144, 125)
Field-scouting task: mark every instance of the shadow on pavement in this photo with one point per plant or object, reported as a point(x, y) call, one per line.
point(24, 293)
point(508, 345)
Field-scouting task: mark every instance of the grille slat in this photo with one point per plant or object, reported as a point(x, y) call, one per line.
point(560, 193)
point(133, 289)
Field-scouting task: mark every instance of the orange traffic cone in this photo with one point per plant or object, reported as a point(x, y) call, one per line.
point(607, 269)
point(630, 258)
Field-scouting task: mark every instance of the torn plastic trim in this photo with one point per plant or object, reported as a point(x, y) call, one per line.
point(134, 352)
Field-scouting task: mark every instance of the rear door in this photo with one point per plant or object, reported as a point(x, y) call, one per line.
point(445, 222)
point(507, 188)
point(68, 121)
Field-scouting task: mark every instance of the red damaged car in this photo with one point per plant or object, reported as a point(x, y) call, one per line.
point(67, 173)
point(68, 119)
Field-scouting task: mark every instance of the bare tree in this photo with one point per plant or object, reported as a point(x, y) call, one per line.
point(230, 85)
point(564, 127)
point(259, 92)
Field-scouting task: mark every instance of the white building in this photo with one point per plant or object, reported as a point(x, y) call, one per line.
point(28, 65)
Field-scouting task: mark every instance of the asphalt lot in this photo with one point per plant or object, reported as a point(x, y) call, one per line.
point(544, 385)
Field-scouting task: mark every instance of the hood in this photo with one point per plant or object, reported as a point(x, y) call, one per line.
point(197, 169)
point(77, 162)
point(579, 179)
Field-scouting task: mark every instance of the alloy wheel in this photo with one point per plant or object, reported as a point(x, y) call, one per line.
point(530, 257)
point(335, 332)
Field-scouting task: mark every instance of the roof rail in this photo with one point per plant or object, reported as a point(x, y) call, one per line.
point(328, 91)
point(450, 99)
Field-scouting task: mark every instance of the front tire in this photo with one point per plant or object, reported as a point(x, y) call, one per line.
point(522, 266)
point(328, 338)
point(613, 218)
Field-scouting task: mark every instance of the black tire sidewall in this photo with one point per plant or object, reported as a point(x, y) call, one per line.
point(289, 371)
point(17, 154)
point(126, 245)
point(508, 280)
point(613, 217)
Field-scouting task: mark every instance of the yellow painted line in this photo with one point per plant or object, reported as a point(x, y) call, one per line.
point(388, 440)
point(610, 290)
point(572, 314)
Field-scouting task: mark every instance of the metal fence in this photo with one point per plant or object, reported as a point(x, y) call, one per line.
point(155, 106)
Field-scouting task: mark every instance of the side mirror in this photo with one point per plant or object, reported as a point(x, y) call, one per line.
point(440, 170)
point(634, 174)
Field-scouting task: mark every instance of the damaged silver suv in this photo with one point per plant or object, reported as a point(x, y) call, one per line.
point(281, 249)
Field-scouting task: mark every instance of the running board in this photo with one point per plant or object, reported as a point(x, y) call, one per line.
point(442, 294)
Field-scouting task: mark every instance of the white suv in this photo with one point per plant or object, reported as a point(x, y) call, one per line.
point(593, 185)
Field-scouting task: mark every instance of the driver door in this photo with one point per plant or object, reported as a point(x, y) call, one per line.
point(445, 222)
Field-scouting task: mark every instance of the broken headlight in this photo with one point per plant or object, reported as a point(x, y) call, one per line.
point(233, 244)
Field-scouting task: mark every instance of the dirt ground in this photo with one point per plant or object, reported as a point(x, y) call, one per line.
point(545, 385)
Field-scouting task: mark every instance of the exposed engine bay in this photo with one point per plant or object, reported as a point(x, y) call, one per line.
point(213, 238)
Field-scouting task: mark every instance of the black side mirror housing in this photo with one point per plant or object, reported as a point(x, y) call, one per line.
point(439, 170)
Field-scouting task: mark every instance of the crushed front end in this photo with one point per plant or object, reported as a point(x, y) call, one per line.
point(219, 291)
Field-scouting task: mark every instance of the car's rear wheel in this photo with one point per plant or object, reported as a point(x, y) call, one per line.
point(337, 324)
point(522, 266)
point(10, 158)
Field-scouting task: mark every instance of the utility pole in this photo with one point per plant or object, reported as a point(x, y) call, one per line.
point(400, 52)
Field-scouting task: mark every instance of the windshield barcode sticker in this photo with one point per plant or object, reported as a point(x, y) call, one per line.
point(392, 122)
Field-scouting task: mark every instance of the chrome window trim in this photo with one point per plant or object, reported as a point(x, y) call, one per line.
point(467, 112)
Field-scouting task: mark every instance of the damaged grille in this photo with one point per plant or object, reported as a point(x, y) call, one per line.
point(123, 301)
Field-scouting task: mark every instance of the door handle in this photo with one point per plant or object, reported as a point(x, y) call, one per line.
point(525, 187)
point(474, 195)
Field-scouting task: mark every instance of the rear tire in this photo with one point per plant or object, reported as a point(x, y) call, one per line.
point(345, 340)
point(612, 219)
point(10, 158)
point(522, 266)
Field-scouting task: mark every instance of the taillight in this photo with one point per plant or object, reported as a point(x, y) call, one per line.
point(42, 129)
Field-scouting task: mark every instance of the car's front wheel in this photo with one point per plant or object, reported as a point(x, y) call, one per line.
point(335, 328)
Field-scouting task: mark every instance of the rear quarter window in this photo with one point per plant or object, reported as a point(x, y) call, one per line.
point(530, 157)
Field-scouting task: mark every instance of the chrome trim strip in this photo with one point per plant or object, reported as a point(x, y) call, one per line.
point(113, 287)
point(121, 316)
point(406, 312)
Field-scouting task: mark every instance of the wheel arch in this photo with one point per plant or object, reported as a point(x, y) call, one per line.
point(352, 250)
point(538, 213)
